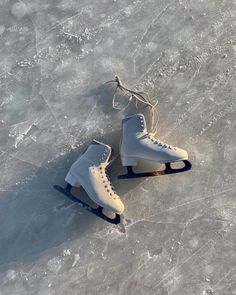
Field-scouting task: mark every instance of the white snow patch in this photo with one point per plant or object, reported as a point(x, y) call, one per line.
point(11, 275)
point(151, 46)
point(151, 256)
point(128, 10)
point(76, 259)
point(207, 292)
point(19, 10)
point(2, 30)
point(6, 100)
point(193, 242)
point(144, 190)
point(54, 264)
point(20, 135)
point(66, 252)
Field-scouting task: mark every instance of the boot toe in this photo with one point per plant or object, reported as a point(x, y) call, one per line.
point(118, 206)
point(181, 154)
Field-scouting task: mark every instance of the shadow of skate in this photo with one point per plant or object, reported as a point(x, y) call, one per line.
point(39, 218)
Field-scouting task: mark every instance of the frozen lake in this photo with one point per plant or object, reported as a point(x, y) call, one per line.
point(178, 234)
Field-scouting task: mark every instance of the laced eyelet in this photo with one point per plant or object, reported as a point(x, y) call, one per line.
point(106, 181)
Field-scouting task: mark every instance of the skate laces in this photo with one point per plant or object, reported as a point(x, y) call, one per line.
point(139, 97)
point(158, 141)
point(107, 182)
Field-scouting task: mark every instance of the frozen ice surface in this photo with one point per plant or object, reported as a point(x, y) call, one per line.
point(178, 236)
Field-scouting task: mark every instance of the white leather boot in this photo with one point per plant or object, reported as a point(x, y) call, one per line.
point(89, 171)
point(137, 143)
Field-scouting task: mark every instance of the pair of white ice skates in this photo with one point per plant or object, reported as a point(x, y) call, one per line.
point(89, 170)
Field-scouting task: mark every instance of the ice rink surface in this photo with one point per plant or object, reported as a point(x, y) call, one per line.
point(178, 232)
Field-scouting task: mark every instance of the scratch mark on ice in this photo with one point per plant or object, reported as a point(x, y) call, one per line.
point(56, 120)
point(194, 201)
point(170, 272)
point(150, 25)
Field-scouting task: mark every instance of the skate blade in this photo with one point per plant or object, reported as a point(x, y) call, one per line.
point(96, 211)
point(168, 170)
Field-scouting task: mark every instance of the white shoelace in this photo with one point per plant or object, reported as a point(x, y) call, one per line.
point(158, 141)
point(138, 97)
point(107, 183)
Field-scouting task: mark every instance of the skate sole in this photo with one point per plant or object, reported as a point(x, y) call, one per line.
point(96, 211)
point(168, 170)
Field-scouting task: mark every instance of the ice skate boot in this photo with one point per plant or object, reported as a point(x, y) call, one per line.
point(89, 171)
point(137, 143)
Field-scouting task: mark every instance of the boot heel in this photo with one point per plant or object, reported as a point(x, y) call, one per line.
point(129, 161)
point(71, 179)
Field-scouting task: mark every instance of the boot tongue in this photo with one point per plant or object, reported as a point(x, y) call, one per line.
point(98, 152)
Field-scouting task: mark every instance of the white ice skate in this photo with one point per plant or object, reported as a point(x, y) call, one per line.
point(137, 143)
point(89, 171)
